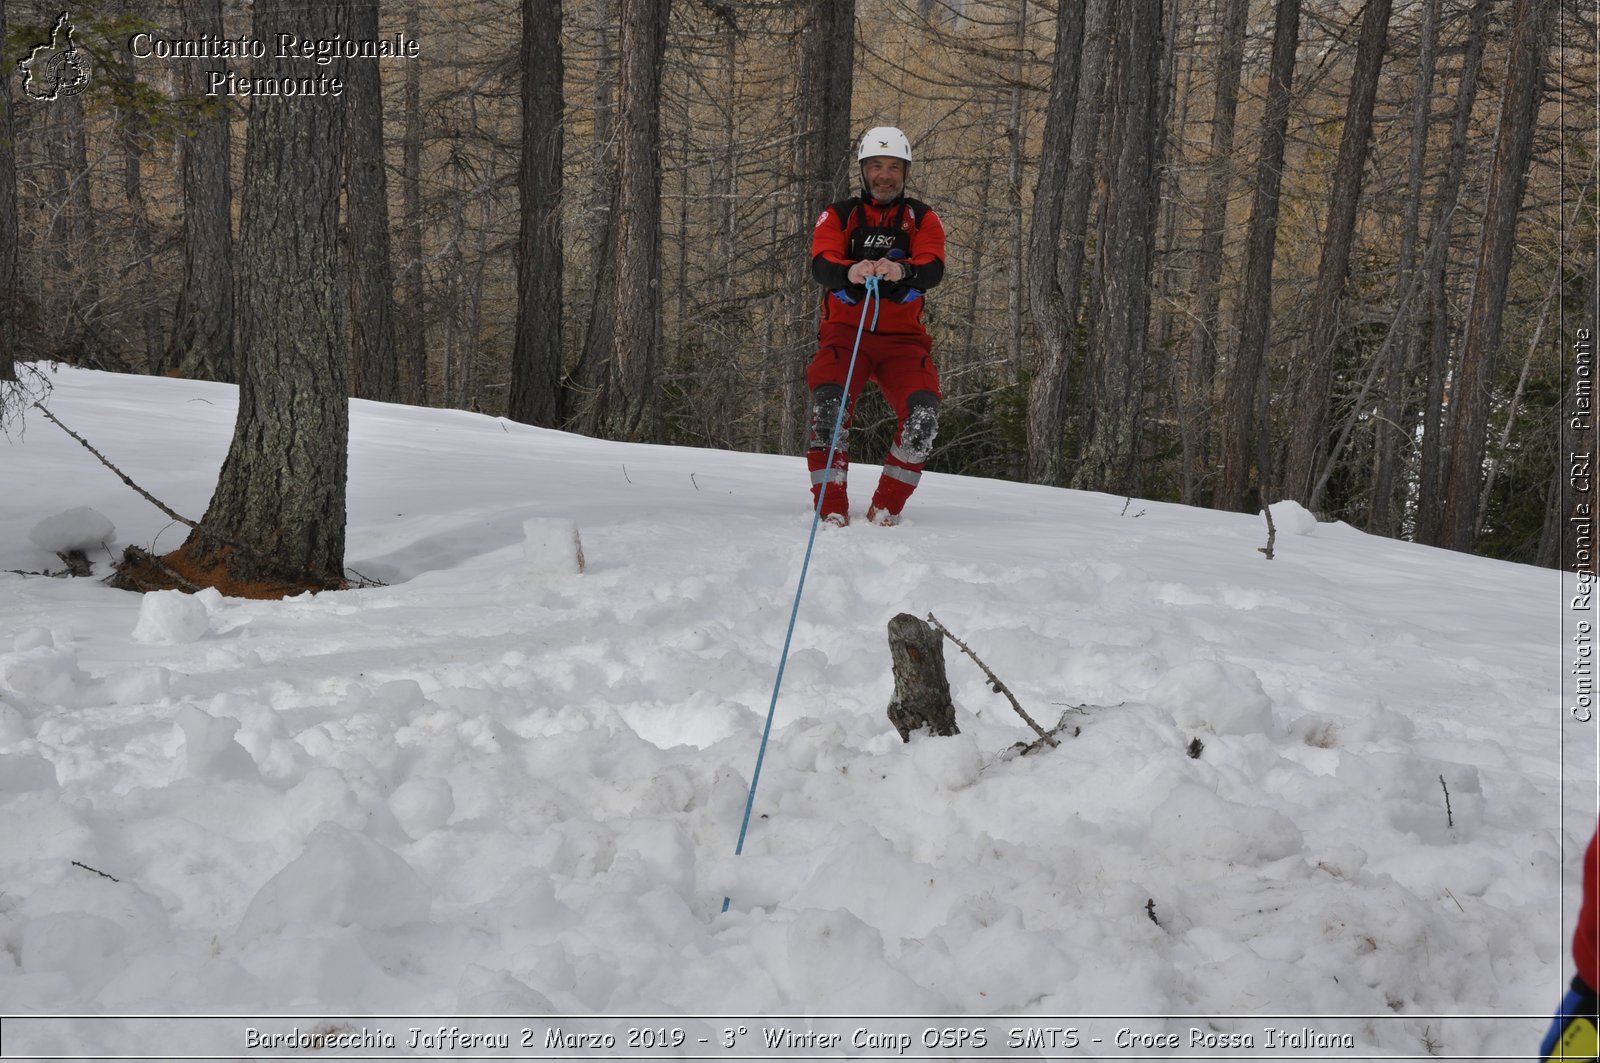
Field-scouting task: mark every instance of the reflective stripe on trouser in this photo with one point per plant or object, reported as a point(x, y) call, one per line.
point(896, 484)
point(835, 479)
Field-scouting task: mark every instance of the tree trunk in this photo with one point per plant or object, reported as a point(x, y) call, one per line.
point(1381, 519)
point(9, 300)
point(537, 355)
point(921, 690)
point(412, 355)
point(1519, 108)
point(632, 406)
point(1015, 257)
point(201, 346)
point(585, 396)
point(1313, 367)
point(1198, 398)
point(826, 83)
point(149, 309)
point(1082, 180)
point(281, 493)
point(1052, 307)
point(1435, 341)
point(77, 309)
point(1111, 459)
point(1255, 307)
point(373, 369)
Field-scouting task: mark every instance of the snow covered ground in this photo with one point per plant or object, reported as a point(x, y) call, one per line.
point(497, 786)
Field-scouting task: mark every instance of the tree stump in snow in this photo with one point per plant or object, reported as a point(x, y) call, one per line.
point(921, 691)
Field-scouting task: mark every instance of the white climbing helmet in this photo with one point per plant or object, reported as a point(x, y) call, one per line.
point(884, 140)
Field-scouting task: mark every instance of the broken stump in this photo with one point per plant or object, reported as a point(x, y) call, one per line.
point(921, 691)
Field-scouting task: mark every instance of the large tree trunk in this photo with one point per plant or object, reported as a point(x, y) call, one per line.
point(1519, 108)
point(827, 71)
point(1313, 368)
point(1052, 307)
point(1111, 458)
point(629, 406)
point(149, 310)
point(76, 308)
point(1388, 433)
point(9, 300)
point(201, 344)
point(1435, 340)
point(1255, 307)
point(537, 354)
point(584, 391)
point(412, 354)
point(1197, 392)
point(277, 518)
point(373, 369)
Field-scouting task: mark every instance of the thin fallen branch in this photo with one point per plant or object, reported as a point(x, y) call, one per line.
point(96, 870)
point(1449, 817)
point(148, 497)
point(995, 684)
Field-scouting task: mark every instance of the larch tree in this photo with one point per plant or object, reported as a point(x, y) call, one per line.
point(1389, 432)
point(1195, 426)
point(1520, 95)
point(411, 354)
point(627, 405)
point(1314, 363)
point(201, 343)
point(1245, 374)
point(537, 355)
point(1053, 309)
point(826, 84)
point(1434, 343)
point(1111, 458)
point(8, 217)
point(276, 522)
point(373, 367)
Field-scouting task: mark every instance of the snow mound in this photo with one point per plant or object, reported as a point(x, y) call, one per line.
point(1216, 696)
point(341, 879)
point(550, 547)
point(837, 964)
point(171, 618)
point(75, 529)
point(950, 763)
point(1291, 518)
point(209, 750)
point(422, 806)
point(1194, 823)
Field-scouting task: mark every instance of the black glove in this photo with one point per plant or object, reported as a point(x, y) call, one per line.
point(1573, 1036)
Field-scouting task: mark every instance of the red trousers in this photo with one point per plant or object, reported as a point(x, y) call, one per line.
point(902, 366)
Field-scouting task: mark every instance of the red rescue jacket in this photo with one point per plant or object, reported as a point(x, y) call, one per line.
point(905, 230)
point(1586, 941)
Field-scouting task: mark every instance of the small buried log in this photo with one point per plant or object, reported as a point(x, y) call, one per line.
point(921, 690)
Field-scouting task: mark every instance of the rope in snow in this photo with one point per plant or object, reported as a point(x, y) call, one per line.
point(875, 301)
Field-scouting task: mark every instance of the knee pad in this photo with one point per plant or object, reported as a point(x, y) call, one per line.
point(825, 402)
point(920, 430)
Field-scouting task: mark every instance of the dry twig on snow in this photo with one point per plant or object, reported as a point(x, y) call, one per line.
point(995, 684)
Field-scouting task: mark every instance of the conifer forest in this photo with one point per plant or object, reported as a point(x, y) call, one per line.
point(1216, 252)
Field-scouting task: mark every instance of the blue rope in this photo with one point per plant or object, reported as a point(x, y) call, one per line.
point(816, 518)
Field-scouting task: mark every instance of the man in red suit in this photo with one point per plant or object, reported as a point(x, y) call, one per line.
point(881, 233)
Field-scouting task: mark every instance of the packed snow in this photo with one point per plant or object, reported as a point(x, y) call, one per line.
point(1339, 784)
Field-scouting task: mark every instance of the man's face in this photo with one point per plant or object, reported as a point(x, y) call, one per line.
point(885, 177)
